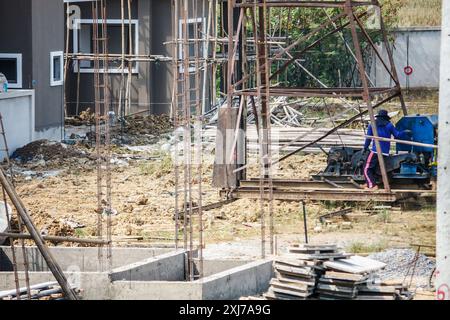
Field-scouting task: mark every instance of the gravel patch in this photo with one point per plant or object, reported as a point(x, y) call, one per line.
point(400, 263)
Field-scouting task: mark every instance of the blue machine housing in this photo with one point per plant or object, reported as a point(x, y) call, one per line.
point(411, 165)
point(424, 130)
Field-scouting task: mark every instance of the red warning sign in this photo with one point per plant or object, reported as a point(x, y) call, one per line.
point(409, 70)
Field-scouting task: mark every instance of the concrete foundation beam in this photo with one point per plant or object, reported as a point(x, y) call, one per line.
point(166, 267)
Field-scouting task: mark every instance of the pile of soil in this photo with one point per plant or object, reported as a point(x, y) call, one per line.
point(86, 117)
point(151, 124)
point(45, 150)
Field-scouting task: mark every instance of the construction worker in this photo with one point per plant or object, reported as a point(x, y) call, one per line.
point(385, 129)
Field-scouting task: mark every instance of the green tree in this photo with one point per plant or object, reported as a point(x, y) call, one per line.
point(331, 61)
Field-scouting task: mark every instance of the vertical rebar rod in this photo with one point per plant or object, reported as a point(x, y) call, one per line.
point(305, 221)
point(97, 126)
point(106, 115)
point(175, 115)
point(201, 97)
point(258, 60)
point(268, 166)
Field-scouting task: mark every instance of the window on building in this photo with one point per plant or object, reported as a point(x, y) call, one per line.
point(195, 29)
point(56, 68)
point(11, 67)
point(83, 43)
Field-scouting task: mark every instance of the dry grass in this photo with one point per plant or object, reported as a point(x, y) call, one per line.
point(420, 13)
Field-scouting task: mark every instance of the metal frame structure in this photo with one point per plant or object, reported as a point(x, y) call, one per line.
point(258, 83)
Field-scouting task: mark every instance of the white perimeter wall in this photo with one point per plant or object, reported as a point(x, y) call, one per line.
point(424, 57)
point(17, 109)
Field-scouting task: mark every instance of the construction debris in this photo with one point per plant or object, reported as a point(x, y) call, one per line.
point(324, 272)
point(339, 213)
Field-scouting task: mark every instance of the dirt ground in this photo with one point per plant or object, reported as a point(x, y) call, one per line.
point(64, 203)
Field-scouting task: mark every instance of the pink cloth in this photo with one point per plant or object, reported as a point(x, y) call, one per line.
point(370, 183)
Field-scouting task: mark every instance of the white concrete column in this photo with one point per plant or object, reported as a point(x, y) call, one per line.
point(443, 196)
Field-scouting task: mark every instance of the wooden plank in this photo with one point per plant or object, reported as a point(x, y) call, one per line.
point(324, 256)
point(310, 251)
point(363, 297)
point(252, 298)
point(223, 176)
point(336, 295)
point(291, 292)
point(294, 270)
point(325, 296)
point(290, 286)
point(288, 278)
point(345, 276)
point(294, 262)
point(312, 247)
point(342, 283)
point(271, 295)
point(334, 288)
point(378, 289)
point(290, 257)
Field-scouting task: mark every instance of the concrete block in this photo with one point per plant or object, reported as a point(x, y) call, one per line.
point(248, 279)
point(156, 290)
point(211, 267)
point(82, 259)
point(166, 267)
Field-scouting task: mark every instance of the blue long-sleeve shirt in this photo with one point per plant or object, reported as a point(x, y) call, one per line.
point(384, 131)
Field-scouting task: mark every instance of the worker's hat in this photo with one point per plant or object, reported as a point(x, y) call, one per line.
point(383, 114)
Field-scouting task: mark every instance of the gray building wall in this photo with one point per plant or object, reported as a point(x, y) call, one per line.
point(34, 29)
point(48, 36)
point(152, 87)
point(85, 92)
point(144, 93)
point(161, 73)
point(15, 25)
point(423, 55)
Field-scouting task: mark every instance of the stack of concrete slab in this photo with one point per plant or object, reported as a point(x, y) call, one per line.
point(354, 278)
point(324, 272)
point(384, 291)
point(297, 273)
point(338, 285)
